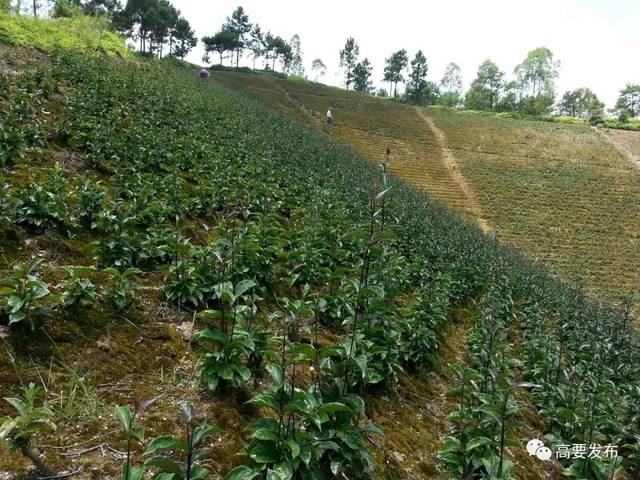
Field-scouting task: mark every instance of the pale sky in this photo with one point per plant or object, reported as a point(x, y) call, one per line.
point(596, 41)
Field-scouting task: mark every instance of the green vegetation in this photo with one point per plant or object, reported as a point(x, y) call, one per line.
point(82, 33)
point(17, 432)
point(560, 193)
point(502, 157)
point(297, 265)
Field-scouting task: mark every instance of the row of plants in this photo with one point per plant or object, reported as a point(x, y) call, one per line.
point(484, 394)
point(585, 368)
point(26, 299)
point(249, 214)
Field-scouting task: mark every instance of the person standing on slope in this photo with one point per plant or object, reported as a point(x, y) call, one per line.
point(329, 117)
point(387, 158)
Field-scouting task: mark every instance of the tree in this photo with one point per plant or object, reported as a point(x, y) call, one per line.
point(628, 103)
point(296, 67)
point(238, 22)
point(418, 76)
point(451, 86)
point(162, 16)
point(510, 98)
point(319, 68)
point(279, 48)
point(582, 103)
point(536, 74)
point(138, 19)
point(97, 8)
point(256, 43)
point(223, 41)
point(393, 69)
point(429, 94)
point(349, 59)
point(5, 6)
point(66, 9)
point(485, 89)
point(35, 6)
point(537, 71)
point(362, 76)
point(185, 39)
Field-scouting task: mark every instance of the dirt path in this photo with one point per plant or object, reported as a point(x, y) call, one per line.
point(620, 146)
point(454, 169)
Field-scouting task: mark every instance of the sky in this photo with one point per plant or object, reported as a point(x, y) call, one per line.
point(596, 41)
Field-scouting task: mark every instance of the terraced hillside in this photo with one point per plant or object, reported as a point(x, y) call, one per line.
point(370, 125)
point(566, 195)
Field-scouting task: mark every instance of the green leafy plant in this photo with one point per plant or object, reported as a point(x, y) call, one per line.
point(182, 458)
point(39, 209)
point(183, 284)
point(127, 420)
point(77, 291)
point(123, 285)
point(17, 432)
point(118, 244)
point(313, 433)
point(24, 296)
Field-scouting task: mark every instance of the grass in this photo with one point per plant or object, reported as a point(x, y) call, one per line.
point(78, 33)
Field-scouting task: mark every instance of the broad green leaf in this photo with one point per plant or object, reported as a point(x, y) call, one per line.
point(266, 435)
point(242, 473)
point(124, 414)
point(275, 371)
point(294, 447)
point(479, 442)
point(165, 443)
point(265, 401)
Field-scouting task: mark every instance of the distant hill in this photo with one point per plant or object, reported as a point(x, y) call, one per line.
point(567, 195)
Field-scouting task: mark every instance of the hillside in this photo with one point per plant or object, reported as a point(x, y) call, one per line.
point(175, 239)
point(565, 195)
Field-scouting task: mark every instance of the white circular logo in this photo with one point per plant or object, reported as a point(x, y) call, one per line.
point(534, 445)
point(543, 453)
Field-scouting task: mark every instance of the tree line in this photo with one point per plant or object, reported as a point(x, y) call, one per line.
point(238, 36)
point(156, 26)
point(159, 29)
point(532, 91)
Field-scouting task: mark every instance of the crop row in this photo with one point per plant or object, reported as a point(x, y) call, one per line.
point(266, 233)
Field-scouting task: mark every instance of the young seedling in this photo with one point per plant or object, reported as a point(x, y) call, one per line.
point(24, 296)
point(17, 432)
point(133, 433)
point(182, 459)
point(122, 291)
point(76, 290)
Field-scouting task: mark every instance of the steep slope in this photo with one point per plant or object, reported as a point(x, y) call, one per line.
point(563, 194)
point(566, 195)
point(167, 238)
point(369, 126)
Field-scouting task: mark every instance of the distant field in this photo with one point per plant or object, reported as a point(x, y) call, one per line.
point(562, 193)
point(566, 195)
